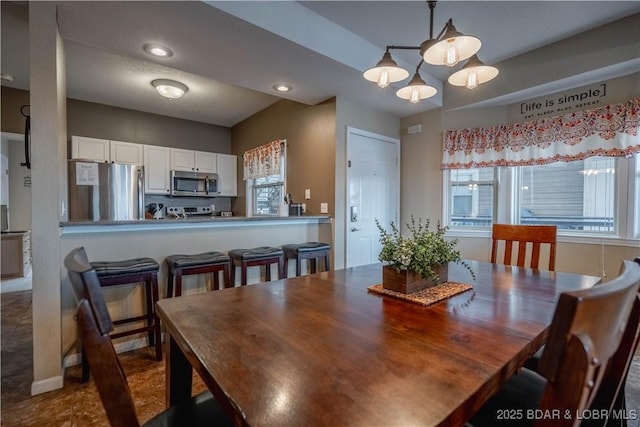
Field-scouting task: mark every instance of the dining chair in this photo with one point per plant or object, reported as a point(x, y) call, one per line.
point(94, 324)
point(591, 331)
point(536, 235)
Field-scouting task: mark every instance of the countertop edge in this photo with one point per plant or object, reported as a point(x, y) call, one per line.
point(78, 227)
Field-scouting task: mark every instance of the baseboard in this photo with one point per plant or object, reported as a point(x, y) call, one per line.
point(121, 347)
point(50, 384)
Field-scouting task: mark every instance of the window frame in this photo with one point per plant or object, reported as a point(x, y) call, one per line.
point(626, 206)
point(251, 186)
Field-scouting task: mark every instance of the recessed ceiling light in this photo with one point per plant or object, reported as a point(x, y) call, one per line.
point(157, 50)
point(170, 88)
point(281, 87)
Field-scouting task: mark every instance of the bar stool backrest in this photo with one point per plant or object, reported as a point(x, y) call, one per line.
point(84, 278)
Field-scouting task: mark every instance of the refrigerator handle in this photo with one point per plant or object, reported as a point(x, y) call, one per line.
point(141, 192)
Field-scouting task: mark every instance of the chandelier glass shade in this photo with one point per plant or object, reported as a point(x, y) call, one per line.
point(386, 71)
point(449, 48)
point(452, 48)
point(473, 74)
point(416, 90)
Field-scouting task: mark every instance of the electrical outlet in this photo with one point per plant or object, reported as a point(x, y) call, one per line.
point(304, 208)
point(307, 194)
point(324, 207)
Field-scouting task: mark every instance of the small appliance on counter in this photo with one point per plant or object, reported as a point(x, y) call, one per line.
point(295, 209)
point(154, 211)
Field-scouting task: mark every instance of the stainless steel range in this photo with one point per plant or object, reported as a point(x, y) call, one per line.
point(189, 210)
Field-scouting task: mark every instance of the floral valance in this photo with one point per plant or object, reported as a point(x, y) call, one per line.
point(611, 130)
point(263, 160)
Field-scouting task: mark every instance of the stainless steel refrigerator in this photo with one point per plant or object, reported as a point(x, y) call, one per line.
point(105, 191)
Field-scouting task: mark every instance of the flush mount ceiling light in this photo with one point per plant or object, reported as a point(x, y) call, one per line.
point(449, 48)
point(281, 87)
point(170, 88)
point(157, 50)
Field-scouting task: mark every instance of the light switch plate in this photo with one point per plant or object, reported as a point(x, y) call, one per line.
point(307, 194)
point(324, 207)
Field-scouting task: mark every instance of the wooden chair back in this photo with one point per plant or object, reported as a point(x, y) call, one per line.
point(585, 336)
point(108, 375)
point(84, 278)
point(536, 235)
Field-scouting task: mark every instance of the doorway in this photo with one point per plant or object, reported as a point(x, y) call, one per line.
point(373, 192)
point(15, 209)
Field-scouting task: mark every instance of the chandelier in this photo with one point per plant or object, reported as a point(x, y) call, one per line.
point(449, 48)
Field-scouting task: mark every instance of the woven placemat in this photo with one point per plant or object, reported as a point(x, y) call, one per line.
point(426, 296)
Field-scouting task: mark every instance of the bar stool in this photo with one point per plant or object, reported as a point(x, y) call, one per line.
point(264, 255)
point(310, 251)
point(132, 271)
point(208, 262)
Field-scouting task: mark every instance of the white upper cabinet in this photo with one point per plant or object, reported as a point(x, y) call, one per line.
point(182, 160)
point(227, 175)
point(90, 149)
point(157, 163)
point(206, 162)
point(126, 152)
point(189, 160)
point(103, 150)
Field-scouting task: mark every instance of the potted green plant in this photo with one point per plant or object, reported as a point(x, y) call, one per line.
point(419, 260)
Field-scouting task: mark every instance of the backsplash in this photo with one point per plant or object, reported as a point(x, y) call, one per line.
point(221, 203)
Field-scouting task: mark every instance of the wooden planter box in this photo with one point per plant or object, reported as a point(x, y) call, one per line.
point(408, 282)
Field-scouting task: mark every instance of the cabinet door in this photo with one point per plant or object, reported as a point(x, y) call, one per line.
point(206, 162)
point(157, 161)
point(182, 160)
point(89, 148)
point(227, 175)
point(126, 152)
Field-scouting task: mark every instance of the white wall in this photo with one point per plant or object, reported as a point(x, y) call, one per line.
point(48, 174)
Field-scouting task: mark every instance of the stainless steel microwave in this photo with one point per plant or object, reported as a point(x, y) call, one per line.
point(194, 184)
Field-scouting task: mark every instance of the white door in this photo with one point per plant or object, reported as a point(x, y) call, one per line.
point(373, 179)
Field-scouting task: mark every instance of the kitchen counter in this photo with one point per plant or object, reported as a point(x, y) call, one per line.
point(160, 238)
point(75, 227)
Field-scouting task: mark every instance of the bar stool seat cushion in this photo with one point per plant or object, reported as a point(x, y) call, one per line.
point(125, 267)
point(196, 260)
point(255, 254)
point(306, 247)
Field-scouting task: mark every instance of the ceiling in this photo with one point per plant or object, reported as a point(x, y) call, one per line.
point(230, 54)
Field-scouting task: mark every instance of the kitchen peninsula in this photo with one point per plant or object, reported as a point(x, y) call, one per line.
point(157, 239)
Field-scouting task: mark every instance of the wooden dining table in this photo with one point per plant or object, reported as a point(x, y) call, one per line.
point(321, 350)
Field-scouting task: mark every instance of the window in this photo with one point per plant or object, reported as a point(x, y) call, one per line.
point(576, 195)
point(472, 197)
point(597, 195)
point(267, 194)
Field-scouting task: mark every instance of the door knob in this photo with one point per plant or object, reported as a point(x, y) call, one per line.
point(355, 229)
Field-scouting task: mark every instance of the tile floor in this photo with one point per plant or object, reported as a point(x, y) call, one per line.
point(78, 404)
